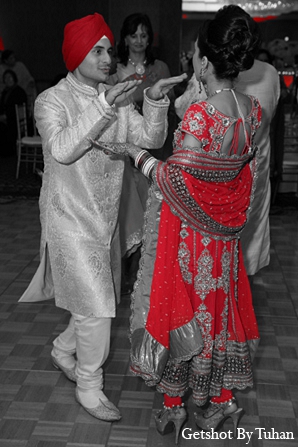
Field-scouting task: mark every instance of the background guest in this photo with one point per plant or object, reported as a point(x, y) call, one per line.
point(277, 131)
point(25, 79)
point(264, 56)
point(136, 61)
point(12, 94)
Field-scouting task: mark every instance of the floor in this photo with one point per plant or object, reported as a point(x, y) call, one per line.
point(37, 404)
point(26, 185)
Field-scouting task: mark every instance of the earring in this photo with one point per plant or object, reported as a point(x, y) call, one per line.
point(201, 80)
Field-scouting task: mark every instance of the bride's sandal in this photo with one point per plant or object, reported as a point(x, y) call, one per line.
point(170, 418)
point(217, 413)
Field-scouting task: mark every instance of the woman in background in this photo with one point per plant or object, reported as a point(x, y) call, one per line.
point(135, 55)
point(136, 61)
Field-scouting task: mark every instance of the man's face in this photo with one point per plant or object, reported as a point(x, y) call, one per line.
point(95, 67)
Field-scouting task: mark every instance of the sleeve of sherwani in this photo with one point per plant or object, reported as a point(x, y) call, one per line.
point(66, 131)
point(150, 130)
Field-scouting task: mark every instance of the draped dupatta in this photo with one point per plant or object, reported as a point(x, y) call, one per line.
point(210, 193)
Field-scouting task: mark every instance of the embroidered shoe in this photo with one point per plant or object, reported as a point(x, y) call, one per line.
point(105, 410)
point(169, 418)
point(217, 413)
point(68, 372)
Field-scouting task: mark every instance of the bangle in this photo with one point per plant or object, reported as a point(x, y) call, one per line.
point(148, 166)
point(140, 158)
point(145, 163)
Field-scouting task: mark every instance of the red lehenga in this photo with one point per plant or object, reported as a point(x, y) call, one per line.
point(193, 322)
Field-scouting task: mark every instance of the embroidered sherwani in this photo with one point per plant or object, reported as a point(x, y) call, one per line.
point(81, 189)
point(262, 81)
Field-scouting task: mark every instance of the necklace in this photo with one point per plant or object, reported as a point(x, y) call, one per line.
point(221, 90)
point(139, 67)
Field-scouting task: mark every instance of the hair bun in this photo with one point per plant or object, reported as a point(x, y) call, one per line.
point(229, 43)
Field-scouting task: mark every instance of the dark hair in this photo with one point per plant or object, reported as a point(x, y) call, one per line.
point(230, 41)
point(235, 11)
point(129, 27)
point(6, 54)
point(12, 73)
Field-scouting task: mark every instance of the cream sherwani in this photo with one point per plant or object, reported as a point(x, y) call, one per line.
point(80, 193)
point(262, 81)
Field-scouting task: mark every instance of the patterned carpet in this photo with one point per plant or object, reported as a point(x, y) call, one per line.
point(37, 403)
point(27, 185)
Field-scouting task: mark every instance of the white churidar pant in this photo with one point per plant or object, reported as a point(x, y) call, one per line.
point(89, 338)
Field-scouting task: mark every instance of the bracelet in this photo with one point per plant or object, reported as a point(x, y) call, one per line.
point(145, 163)
point(148, 166)
point(140, 158)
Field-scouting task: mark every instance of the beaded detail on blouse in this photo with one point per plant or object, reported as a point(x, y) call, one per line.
point(209, 125)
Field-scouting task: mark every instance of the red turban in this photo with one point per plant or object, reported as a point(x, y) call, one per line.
point(80, 36)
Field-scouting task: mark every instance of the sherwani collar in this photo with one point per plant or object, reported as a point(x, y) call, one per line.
point(84, 88)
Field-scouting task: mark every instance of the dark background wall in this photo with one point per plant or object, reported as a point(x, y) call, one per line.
point(285, 25)
point(34, 29)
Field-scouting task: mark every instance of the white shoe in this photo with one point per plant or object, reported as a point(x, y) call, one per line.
point(68, 372)
point(105, 410)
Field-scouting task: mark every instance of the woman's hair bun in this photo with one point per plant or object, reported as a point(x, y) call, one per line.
point(230, 42)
